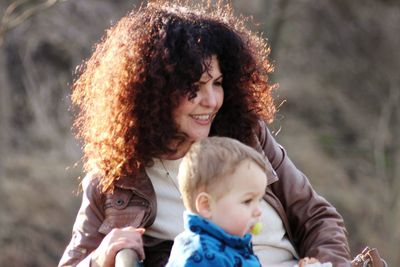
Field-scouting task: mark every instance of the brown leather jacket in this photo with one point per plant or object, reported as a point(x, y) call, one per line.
point(313, 225)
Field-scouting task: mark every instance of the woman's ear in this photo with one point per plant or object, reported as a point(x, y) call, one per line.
point(203, 205)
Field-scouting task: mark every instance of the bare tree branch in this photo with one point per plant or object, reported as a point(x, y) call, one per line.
point(277, 27)
point(4, 113)
point(386, 121)
point(12, 18)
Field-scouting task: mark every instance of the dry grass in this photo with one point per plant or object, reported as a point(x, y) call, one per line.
point(38, 208)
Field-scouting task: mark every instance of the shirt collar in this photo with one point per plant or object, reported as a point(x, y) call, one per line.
point(198, 224)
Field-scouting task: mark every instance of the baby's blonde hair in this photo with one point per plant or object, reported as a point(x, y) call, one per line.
point(208, 161)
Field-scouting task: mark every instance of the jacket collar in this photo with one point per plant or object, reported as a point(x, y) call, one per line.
point(133, 182)
point(197, 224)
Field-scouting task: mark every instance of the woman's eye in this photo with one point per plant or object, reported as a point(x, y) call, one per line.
point(218, 83)
point(191, 95)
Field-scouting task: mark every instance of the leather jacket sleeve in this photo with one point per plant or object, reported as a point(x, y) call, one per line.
point(85, 234)
point(314, 226)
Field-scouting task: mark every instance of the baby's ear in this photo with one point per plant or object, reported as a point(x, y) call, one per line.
point(203, 205)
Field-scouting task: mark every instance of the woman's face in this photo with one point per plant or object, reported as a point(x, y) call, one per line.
point(194, 116)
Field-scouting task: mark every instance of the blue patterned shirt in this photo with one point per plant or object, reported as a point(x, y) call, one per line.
point(204, 243)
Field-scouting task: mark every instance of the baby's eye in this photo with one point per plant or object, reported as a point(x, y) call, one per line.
point(247, 201)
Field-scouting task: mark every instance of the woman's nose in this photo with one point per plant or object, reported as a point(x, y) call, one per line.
point(209, 96)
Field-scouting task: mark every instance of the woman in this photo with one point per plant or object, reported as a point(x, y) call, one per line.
point(163, 77)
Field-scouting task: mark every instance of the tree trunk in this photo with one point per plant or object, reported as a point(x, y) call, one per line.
point(4, 112)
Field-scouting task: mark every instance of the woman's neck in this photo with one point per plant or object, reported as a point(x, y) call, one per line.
point(180, 149)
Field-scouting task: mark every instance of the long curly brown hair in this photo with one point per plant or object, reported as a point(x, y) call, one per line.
point(126, 91)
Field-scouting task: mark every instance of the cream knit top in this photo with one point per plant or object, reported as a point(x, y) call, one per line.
point(271, 246)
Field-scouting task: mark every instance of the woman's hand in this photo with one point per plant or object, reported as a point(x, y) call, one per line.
point(305, 261)
point(117, 239)
point(312, 262)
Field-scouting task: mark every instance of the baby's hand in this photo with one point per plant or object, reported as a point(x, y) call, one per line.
point(312, 262)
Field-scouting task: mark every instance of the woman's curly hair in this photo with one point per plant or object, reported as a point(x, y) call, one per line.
point(126, 91)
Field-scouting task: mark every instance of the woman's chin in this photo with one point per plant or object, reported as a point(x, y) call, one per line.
point(200, 135)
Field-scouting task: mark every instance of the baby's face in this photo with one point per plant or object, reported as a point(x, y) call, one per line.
point(239, 208)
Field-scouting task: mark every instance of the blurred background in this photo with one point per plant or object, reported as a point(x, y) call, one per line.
point(337, 64)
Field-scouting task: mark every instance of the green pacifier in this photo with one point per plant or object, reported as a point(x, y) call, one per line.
point(257, 228)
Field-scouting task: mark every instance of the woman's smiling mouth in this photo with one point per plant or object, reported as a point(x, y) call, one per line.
point(203, 118)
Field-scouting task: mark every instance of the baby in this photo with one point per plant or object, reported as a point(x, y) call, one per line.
point(222, 182)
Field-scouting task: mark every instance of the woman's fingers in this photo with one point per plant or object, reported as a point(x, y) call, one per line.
point(132, 238)
point(140, 230)
point(116, 240)
point(305, 261)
